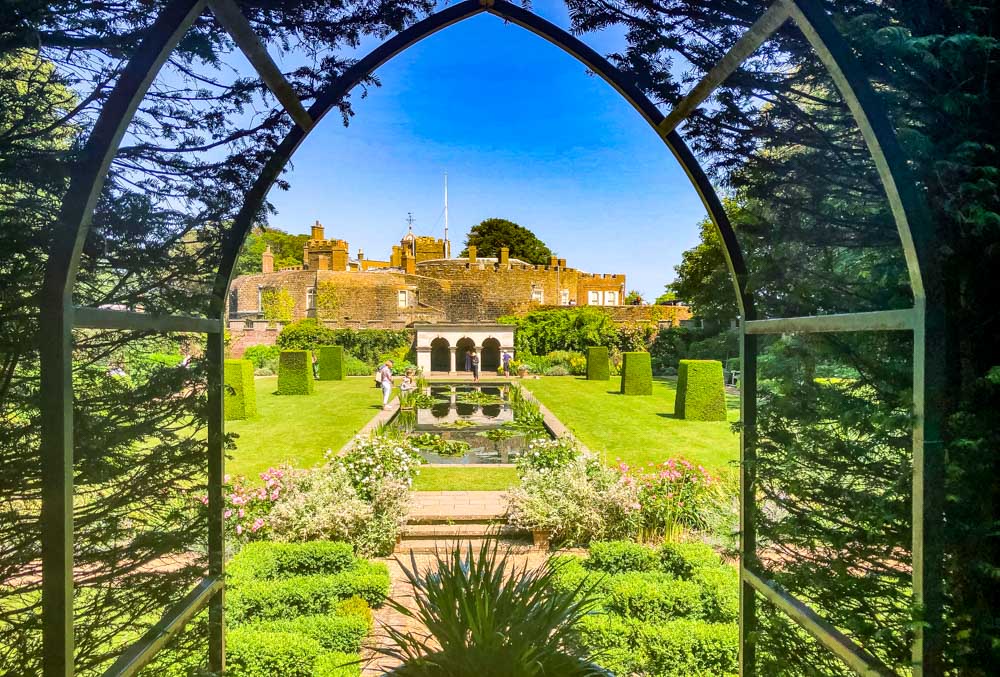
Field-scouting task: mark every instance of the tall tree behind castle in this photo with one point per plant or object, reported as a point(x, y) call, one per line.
point(490, 235)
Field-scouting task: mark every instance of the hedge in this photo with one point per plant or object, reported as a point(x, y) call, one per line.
point(701, 394)
point(615, 557)
point(682, 559)
point(269, 560)
point(682, 648)
point(333, 633)
point(331, 363)
point(598, 364)
point(637, 374)
point(240, 399)
point(253, 600)
point(295, 373)
point(336, 664)
point(654, 597)
point(720, 592)
point(252, 653)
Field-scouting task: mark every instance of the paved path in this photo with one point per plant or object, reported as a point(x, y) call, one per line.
point(457, 504)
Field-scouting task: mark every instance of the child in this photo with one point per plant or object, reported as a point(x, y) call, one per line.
point(409, 383)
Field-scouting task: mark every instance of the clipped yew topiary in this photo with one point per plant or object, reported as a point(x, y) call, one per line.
point(637, 374)
point(240, 398)
point(598, 365)
point(331, 363)
point(701, 394)
point(295, 373)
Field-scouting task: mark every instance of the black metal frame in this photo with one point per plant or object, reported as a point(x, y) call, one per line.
point(925, 319)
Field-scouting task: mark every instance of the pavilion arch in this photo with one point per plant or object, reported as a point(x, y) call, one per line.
point(440, 355)
point(490, 355)
point(464, 347)
point(59, 317)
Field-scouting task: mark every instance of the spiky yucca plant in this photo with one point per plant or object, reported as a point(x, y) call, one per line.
point(490, 618)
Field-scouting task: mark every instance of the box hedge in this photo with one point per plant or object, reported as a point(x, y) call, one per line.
point(720, 592)
point(259, 600)
point(333, 633)
point(240, 399)
point(637, 374)
point(598, 364)
point(337, 664)
point(701, 393)
point(331, 363)
point(683, 648)
point(252, 653)
point(653, 597)
point(682, 559)
point(615, 557)
point(295, 373)
point(269, 560)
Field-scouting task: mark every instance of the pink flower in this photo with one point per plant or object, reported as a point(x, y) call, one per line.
point(225, 478)
point(228, 514)
point(239, 529)
point(240, 513)
point(274, 495)
point(257, 524)
point(204, 500)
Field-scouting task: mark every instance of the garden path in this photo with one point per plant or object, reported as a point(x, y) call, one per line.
point(460, 506)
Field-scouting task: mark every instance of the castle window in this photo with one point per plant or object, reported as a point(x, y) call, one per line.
point(564, 297)
point(594, 298)
point(401, 298)
point(611, 298)
point(311, 298)
point(538, 296)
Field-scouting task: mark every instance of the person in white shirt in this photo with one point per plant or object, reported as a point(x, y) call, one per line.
point(409, 383)
point(385, 380)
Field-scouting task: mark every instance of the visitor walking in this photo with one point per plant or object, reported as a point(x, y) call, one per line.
point(384, 378)
point(506, 363)
point(474, 363)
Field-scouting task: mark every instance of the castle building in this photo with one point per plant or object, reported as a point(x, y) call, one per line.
point(418, 282)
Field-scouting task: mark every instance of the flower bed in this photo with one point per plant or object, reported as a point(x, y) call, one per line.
point(669, 612)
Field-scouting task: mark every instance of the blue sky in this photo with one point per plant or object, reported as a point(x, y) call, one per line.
point(523, 132)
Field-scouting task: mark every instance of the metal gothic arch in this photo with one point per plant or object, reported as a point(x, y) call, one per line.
point(59, 316)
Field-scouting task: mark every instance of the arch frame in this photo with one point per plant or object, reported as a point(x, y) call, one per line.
point(58, 317)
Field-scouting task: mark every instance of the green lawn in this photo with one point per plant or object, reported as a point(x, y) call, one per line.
point(636, 429)
point(465, 479)
point(298, 429)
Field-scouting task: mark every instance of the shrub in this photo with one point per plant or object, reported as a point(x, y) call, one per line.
point(682, 559)
point(683, 648)
point(357, 607)
point(701, 395)
point(240, 395)
point(268, 560)
point(357, 367)
point(576, 503)
point(637, 375)
point(720, 592)
point(295, 374)
point(252, 600)
point(333, 633)
point(247, 505)
point(331, 363)
point(365, 344)
point(546, 454)
point(609, 638)
point(322, 503)
point(262, 356)
point(651, 597)
point(557, 370)
point(336, 664)
point(372, 460)
point(543, 331)
point(676, 495)
point(615, 557)
point(575, 363)
point(598, 363)
point(252, 653)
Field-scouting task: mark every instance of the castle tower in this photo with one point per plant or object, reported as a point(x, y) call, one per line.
point(322, 254)
point(267, 261)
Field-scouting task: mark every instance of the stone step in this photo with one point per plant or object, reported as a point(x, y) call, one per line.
point(463, 529)
point(446, 545)
point(442, 517)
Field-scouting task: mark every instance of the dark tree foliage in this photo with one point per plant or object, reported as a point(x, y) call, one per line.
point(490, 235)
point(199, 139)
point(834, 466)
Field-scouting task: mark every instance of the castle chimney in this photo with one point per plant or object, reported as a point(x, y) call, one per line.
point(317, 232)
point(553, 261)
point(472, 253)
point(562, 263)
point(409, 263)
point(504, 256)
point(361, 254)
point(267, 261)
